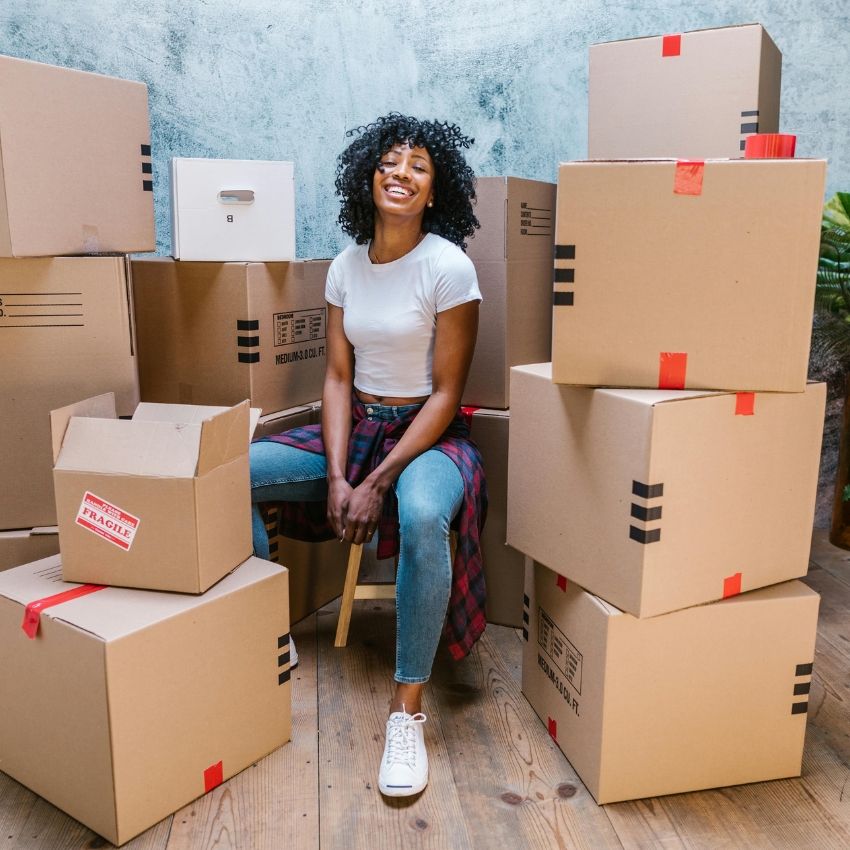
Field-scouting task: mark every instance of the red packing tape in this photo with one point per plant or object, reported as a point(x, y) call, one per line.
point(770, 146)
point(671, 45)
point(32, 614)
point(213, 777)
point(552, 727)
point(745, 404)
point(689, 173)
point(467, 412)
point(732, 586)
point(671, 370)
point(562, 583)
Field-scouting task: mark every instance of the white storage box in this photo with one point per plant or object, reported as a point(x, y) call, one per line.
point(232, 210)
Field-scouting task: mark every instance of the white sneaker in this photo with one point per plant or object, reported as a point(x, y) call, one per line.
point(404, 767)
point(293, 654)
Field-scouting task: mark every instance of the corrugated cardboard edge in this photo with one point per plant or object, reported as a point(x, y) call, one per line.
point(98, 407)
point(173, 207)
point(770, 83)
point(685, 32)
point(5, 231)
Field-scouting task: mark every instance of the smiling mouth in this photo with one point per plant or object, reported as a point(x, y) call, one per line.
point(398, 191)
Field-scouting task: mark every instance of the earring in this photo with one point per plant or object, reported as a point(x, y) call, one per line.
point(430, 203)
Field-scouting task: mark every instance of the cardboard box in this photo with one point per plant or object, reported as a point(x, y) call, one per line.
point(504, 567)
point(127, 704)
point(660, 500)
point(512, 253)
point(232, 209)
point(284, 420)
point(66, 333)
point(218, 333)
point(693, 95)
point(661, 288)
point(702, 698)
point(161, 501)
point(75, 166)
point(26, 545)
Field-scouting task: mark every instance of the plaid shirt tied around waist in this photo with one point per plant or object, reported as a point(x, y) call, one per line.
point(370, 442)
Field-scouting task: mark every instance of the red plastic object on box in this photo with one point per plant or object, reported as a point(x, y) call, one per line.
point(770, 146)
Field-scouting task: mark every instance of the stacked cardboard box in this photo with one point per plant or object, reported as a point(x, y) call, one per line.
point(666, 519)
point(160, 502)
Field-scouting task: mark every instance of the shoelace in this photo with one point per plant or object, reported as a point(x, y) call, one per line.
point(401, 739)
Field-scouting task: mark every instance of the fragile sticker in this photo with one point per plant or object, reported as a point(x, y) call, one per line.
point(107, 521)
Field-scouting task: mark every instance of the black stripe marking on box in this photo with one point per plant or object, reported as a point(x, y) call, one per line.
point(799, 707)
point(752, 113)
point(146, 150)
point(563, 299)
point(283, 641)
point(647, 491)
point(283, 659)
point(565, 252)
point(646, 514)
point(273, 546)
point(247, 324)
point(525, 600)
point(565, 275)
point(248, 341)
point(653, 535)
point(147, 185)
point(752, 127)
point(743, 144)
point(249, 357)
point(525, 634)
point(804, 670)
point(283, 678)
point(525, 617)
point(147, 168)
point(802, 688)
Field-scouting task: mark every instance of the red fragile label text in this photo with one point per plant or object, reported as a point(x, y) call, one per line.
point(671, 45)
point(107, 521)
point(689, 174)
point(32, 614)
point(745, 404)
point(672, 367)
point(213, 777)
point(732, 586)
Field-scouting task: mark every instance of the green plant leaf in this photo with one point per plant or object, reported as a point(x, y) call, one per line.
point(845, 494)
point(836, 211)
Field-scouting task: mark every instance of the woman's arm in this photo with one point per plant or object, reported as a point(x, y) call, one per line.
point(336, 417)
point(454, 346)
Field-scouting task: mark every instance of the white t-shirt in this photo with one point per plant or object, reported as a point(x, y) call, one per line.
point(390, 311)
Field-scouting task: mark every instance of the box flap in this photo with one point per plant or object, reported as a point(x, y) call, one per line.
point(99, 407)
point(121, 447)
point(186, 413)
point(661, 35)
point(224, 437)
point(115, 612)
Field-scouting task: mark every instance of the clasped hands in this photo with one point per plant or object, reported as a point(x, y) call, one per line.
point(353, 512)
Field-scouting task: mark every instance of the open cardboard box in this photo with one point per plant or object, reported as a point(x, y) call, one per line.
point(161, 501)
point(121, 706)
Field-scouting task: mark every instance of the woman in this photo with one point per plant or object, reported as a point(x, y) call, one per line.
point(395, 455)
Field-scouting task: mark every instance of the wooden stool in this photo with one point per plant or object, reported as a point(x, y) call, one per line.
point(371, 590)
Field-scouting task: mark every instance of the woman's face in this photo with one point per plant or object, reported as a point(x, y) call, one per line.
point(403, 182)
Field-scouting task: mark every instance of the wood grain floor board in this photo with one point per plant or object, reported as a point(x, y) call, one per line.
point(828, 557)
point(355, 688)
point(517, 788)
point(274, 803)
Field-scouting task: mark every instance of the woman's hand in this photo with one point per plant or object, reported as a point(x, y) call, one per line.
point(339, 493)
point(363, 511)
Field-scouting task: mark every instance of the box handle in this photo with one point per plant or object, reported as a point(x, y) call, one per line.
point(236, 196)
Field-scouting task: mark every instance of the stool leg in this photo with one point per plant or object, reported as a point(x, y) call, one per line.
point(348, 595)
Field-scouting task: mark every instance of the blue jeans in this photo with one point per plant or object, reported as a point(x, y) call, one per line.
point(429, 492)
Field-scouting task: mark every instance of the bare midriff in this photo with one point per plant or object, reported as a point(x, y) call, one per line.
point(389, 401)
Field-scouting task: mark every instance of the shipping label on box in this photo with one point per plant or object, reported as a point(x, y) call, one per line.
point(660, 500)
point(225, 210)
point(694, 95)
point(617, 693)
point(119, 749)
point(159, 502)
point(667, 288)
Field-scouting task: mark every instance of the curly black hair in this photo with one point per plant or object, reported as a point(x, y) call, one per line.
point(454, 182)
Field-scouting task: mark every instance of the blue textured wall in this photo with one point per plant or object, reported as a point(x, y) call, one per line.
point(278, 79)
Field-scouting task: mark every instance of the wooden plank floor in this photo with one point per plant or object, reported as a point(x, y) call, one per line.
point(497, 779)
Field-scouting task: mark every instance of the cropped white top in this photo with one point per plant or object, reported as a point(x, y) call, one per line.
point(390, 311)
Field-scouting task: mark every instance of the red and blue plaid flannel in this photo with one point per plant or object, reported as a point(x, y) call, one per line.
point(371, 441)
